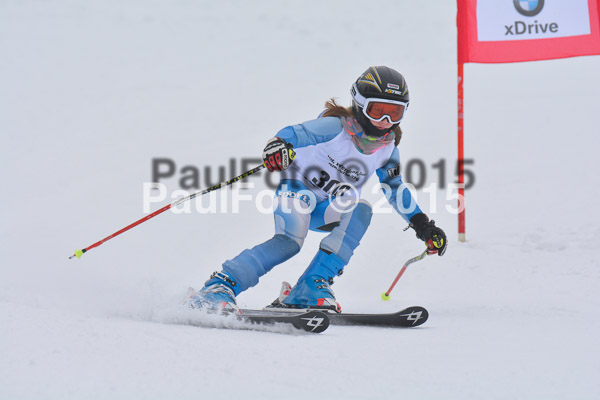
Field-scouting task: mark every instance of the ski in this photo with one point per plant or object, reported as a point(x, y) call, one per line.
point(410, 317)
point(313, 321)
point(309, 321)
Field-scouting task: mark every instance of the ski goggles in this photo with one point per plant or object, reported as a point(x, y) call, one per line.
point(380, 109)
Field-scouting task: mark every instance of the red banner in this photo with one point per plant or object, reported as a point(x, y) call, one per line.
point(500, 31)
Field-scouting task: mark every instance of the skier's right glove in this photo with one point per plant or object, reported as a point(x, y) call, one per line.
point(434, 237)
point(278, 155)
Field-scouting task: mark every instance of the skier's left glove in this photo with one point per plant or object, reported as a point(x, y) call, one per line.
point(434, 237)
point(278, 154)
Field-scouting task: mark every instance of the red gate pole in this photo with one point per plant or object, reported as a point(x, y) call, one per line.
point(461, 157)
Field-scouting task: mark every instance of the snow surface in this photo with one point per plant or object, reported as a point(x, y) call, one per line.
point(92, 91)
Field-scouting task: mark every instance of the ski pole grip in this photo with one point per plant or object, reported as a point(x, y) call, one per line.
point(291, 152)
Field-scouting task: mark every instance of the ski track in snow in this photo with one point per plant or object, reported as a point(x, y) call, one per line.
point(93, 91)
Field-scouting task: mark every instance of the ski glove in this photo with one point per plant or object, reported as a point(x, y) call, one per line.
point(434, 237)
point(278, 155)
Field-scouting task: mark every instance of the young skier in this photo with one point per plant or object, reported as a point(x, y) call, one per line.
point(319, 190)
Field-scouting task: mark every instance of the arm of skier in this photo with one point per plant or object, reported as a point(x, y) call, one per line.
point(403, 202)
point(276, 154)
point(311, 132)
point(395, 190)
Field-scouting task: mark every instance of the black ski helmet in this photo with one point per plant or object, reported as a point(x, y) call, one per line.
point(382, 83)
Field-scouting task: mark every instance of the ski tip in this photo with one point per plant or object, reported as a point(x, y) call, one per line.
point(313, 321)
point(416, 315)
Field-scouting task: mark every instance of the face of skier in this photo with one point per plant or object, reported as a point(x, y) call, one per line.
point(383, 124)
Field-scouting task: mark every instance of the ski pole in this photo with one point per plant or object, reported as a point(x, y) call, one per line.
point(79, 253)
point(385, 296)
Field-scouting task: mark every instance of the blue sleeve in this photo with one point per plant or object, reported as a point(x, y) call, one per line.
point(311, 132)
point(389, 175)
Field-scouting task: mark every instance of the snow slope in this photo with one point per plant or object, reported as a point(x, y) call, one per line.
point(93, 91)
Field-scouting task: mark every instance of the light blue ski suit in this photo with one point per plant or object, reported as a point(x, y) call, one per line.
point(303, 200)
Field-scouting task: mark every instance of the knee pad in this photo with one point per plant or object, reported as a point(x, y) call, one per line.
point(364, 209)
point(292, 218)
point(346, 237)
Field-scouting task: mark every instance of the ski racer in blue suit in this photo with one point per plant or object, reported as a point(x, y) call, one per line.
point(324, 163)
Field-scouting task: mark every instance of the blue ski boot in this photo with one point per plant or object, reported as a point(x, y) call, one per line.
point(217, 295)
point(313, 289)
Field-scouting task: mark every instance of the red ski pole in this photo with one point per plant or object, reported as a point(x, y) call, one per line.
point(385, 296)
point(79, 253)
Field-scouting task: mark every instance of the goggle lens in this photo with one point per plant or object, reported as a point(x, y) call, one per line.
point(377, 110)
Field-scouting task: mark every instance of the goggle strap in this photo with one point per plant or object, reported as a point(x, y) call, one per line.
point(358, 98)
